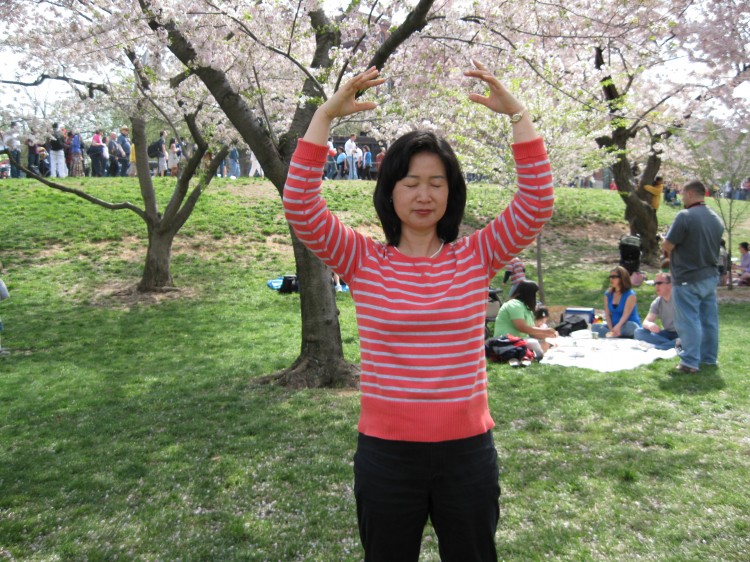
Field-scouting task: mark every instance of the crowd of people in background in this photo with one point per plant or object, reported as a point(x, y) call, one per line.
point(352, 161)
point(61, 152)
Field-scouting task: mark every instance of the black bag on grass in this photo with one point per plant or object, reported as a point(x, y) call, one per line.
point(505, 348)
point(289, 285)
point(571, 324)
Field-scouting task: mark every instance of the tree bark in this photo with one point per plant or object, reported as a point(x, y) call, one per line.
point(321, 361)
point(157, 274)
point(640, 215)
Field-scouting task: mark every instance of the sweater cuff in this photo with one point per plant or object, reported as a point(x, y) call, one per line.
point(310, 151)
point(532, 149)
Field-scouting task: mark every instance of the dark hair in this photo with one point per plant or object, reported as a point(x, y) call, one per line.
point(526, 293)
point(625, 282)
point(395, 166)
point(695, 186)
point(541, 312)
point(745, 245)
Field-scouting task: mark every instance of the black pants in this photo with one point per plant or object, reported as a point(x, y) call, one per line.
point(399, 484)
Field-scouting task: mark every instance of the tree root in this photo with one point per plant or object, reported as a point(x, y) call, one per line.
point(309, 373)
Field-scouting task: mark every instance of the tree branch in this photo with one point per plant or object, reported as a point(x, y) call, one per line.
point(205, 180)
point(414, 22)
point(231, 102)
point(90, 86)
point(183, 182)
point(77, 192)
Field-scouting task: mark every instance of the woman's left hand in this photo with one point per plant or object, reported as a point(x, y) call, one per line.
point(500, 100)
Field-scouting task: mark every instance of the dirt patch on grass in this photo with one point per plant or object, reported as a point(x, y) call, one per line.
point(736, 294)
point(256, 188)
point(125, 295)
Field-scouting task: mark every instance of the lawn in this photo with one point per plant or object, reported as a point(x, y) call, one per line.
point(134, 428)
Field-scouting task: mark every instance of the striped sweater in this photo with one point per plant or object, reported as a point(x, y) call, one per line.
point(420, 320)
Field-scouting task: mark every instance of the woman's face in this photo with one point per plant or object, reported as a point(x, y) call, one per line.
point(420, 198)
point(742, 250)
point(614, 279)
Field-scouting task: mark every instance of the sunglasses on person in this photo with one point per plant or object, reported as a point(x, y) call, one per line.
point(661, 282)
point(614, 276)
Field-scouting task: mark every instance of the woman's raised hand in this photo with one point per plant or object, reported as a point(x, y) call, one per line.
point(500, 100)
point(344, 102)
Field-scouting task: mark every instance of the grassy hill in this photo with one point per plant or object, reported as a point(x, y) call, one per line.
point(132, 428)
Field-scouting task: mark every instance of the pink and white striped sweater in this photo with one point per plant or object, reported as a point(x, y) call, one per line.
point(420, 320)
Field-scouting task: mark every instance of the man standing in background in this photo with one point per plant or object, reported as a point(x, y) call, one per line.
point(350, 147)
point(692, 246)
point(58, 168)
point(124, 142)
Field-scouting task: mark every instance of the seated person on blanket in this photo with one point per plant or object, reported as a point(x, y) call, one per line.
point(619, 307)
point(516, 317)
point(743, 268)
point(663, 309)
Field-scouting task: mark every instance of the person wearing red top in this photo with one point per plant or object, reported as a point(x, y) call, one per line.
point(425, 447)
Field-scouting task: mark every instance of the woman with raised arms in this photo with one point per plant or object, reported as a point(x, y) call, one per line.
point(425, 446)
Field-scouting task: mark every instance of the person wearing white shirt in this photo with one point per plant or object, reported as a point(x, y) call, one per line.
point(58, 168)
point(351, 149)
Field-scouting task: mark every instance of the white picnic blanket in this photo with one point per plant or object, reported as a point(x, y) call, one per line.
point(604, 355)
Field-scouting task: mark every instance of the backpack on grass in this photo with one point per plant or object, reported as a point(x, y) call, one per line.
point(289, 284)
point(505, 348)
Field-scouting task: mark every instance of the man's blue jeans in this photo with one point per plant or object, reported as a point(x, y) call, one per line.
point(352, 168)
point(663, 339)
point(697, 321)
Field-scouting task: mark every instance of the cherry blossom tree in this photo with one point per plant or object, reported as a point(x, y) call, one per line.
point(129, 87)
point(637, 72)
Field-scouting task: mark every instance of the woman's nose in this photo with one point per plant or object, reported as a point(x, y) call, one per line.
point(423, 193)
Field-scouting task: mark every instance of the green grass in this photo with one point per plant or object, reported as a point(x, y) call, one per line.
point(135, 430)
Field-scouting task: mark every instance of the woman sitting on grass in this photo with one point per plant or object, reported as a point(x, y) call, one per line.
point(743, 268)
point(619, 306)
point(516, 317)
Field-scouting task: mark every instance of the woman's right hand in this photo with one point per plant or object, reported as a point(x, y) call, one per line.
point(344, 101)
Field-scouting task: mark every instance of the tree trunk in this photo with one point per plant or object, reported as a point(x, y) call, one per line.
point(640, 215)
point(539, 272)
point(321, 361)
point(642, 220)
point(157, 274)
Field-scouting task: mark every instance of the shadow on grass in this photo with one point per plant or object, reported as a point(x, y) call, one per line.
point(705, 381)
